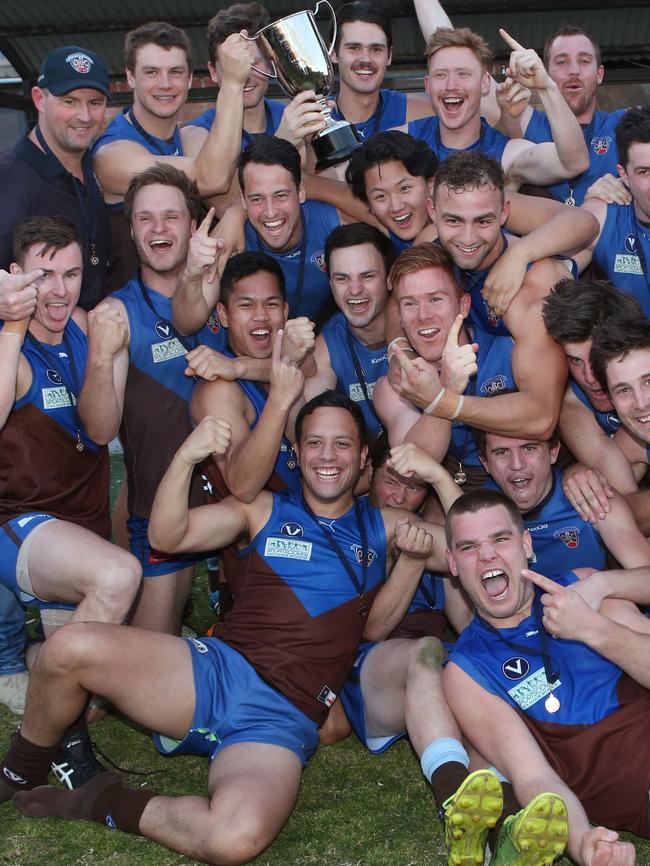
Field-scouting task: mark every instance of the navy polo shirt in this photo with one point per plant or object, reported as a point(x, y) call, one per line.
point(32, 183)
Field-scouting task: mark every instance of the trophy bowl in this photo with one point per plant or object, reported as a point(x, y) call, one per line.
point(299, 59)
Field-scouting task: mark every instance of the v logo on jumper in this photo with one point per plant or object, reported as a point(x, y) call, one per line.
point(163, 330)
point(515, 668)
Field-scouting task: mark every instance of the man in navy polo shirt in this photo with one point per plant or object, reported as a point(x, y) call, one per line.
point(49, 171)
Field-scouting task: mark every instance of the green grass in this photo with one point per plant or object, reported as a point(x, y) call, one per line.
point(354, 809)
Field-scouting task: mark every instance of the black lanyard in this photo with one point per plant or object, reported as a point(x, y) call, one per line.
point(552, 674)
point(360, 587)
point(144, 291)
point(358, 369)
point(429, 597)
point(640, 251)
point(587, 134)
point(152, 141)
point(70, 390)
point(83, 194)
point(460, 476)
point(291, 460)
point(295, 306)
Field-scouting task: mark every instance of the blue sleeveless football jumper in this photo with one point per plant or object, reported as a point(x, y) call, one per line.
point(596, 738)
point(297, 616)
point(609, 422)
point(155, 419)
point(274, 110)
point(623, 252)
point(494, 360)
point(509, 663)
point(319, 219)
point(286, 466)
point(41, 467)
point(399, 243)
point(373, 363)
point(491, 142)
point(561, 538)
point(600, 138)
point(120, 129)
point(390, 112)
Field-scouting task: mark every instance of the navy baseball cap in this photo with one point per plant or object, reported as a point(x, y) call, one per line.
point(70, 68)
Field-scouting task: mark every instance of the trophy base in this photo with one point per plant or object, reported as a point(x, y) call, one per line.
point(335, 144)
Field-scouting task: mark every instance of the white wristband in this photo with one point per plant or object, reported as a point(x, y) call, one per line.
point(459, 408)
point(432, 405)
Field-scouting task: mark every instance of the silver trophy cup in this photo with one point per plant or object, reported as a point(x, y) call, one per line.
point(298, 58)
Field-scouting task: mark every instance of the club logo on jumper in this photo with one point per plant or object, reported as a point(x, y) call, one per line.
point(163, 329)
point(358, 554)
point(600, 145)
point(630, 244)
point(293, 530)
point(516, 668)
point(110, 822)
point(201, 647)
point(54, 377)
point(327, 696)
point(213, 324)
point(318, 259)
point(532, 689)
point(569, 535)
point(81, 63)
point(288, 548)
point(613, 420)
point(493, 386)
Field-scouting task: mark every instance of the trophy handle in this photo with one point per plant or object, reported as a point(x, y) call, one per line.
point(330, 7)
point(274, 73)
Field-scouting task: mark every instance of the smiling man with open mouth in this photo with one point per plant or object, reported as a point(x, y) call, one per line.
point(536, 689)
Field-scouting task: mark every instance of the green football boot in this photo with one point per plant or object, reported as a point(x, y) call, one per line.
point(469, 815)
point(535, 836)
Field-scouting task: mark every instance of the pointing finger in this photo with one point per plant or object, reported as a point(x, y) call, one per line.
point(545, 583)
point(206, 225)
point(510, 42)
point(276, 353)
point(22, 281)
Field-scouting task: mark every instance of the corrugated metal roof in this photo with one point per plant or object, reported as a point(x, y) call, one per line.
point(28, 30)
